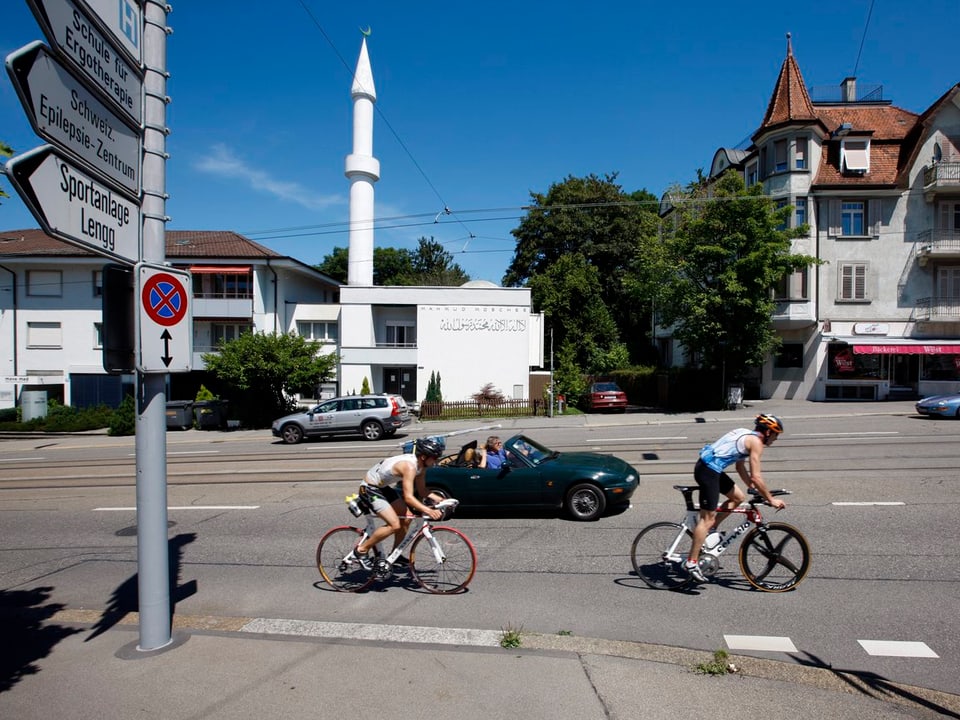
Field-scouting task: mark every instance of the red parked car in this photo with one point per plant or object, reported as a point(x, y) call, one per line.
point(605, 396)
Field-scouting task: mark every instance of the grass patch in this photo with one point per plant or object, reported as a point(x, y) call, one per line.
point(718, 666)
point(511, 637)
point(564, 632)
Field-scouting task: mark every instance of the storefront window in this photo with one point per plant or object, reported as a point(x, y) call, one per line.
point(941, 367)
point(844, 364)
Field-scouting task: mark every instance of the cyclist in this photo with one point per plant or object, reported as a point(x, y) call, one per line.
point(393, 485)
point(742, 447)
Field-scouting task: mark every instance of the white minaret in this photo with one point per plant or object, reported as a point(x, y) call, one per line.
point(363, 170)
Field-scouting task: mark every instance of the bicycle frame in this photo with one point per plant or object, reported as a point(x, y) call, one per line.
point(419, 525)
point(690, 520)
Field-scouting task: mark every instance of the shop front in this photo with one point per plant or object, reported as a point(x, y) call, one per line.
point(891, 370)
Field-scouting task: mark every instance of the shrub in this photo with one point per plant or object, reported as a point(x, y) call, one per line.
point(124, 420)
point(489, 395)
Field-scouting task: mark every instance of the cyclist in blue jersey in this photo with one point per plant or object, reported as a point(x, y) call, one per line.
point(743, 448)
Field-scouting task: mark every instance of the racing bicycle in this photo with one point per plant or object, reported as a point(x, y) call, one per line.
point(774, 556)
point(442, 559)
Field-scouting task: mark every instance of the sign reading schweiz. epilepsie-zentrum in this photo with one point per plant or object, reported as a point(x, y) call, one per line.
point(64, 112)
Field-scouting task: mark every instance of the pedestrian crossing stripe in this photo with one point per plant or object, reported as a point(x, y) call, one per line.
point(877, 648)
point(763, 643)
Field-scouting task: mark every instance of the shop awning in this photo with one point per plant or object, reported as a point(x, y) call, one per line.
point(220, 269)
point(907, 349)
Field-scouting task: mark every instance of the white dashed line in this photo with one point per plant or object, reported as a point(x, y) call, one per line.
point(184, 507)
point(765, 643)
point(897, 648)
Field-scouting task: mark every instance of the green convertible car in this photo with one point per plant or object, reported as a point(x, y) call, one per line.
point(584, 484)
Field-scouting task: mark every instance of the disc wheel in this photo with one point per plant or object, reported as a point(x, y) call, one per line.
point(340, 574)
point(649, 555)
point(453, 571)
point(775, 558)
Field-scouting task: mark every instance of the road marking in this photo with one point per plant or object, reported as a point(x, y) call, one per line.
point(864, 503)
point(186, 452)
point(380, 633)
point(21, 459)
point(765, 643)
point(184, 507)
point(626, 440)
point(855, 434)
point(897, 648)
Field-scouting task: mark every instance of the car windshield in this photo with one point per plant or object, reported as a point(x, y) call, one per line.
point(533, 452)
point(606, 387)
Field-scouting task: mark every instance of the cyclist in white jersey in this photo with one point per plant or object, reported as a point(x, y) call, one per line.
point(742, 447)
point(393, 485)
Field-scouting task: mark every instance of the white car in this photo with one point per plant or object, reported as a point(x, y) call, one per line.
point(373, 416)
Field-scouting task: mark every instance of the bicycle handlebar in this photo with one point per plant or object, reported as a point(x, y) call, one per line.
point(757, 499)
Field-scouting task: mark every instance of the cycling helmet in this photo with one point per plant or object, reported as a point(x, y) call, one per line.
point(769, 422)
point(428, 447)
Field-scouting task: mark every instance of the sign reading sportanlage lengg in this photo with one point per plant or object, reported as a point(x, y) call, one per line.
point(67, 25)
point(64, 112)
point(72, 206)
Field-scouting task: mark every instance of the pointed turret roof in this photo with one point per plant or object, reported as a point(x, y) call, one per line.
point(790, 101)
point(363, 75)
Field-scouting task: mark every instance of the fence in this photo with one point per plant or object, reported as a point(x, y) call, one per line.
point(472, 409)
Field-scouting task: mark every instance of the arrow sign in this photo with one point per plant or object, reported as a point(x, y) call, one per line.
point(166, 357)
point(70, 27)
point(166, 326)
point(64, 112)
point(69, 204)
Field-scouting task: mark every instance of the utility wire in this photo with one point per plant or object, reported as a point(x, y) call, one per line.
point(863, 39)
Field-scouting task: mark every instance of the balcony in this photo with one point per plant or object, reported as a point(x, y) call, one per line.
point(936, 309)
point(240, 308)
point(938, 245)
point(942, 178)
point(793, 314)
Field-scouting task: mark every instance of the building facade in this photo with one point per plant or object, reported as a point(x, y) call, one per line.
point(879, 188)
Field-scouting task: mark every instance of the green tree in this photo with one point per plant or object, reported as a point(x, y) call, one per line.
point(5, 151)
point(433, 265)
point(720, 266)
point(429, 264)
point(263, 370)
point(610, 229)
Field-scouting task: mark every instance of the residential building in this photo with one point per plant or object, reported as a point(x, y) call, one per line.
point(879, 188)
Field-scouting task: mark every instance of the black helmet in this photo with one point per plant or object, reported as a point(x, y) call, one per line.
point(769, 422)
point(428, 447)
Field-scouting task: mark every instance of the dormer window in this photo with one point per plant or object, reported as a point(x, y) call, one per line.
point(854, 155)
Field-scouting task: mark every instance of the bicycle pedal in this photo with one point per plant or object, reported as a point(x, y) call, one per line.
point(382, 568)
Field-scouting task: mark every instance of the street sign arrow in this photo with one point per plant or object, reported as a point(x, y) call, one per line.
point(72, 206)
point(69, 27)
point(63, 111)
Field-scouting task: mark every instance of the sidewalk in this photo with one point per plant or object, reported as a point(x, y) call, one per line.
point(235, 668)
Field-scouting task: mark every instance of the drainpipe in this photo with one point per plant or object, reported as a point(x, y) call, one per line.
point(13, 276)
point(276, 310)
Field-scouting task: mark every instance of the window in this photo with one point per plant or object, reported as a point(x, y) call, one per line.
point(44, 335)
point(221, 283)
point(800, 154)
point(800, 211)
point(320, 331)
point(752, 176)
point(948, 282)
point(949, 216)
point(401, 335)
point(790, 355)
point(853, 281)
point(44, 283)
point(225, 333)
point(852, 213)
point(98, 335)
point(781, 204)
point(792, 286)
point(779, 155)
point(98, 283)
point(855, 156)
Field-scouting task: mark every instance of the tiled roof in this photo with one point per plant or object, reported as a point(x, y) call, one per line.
point(180, 244)
point(884, 165)
point(790, 101)
point(887, 122)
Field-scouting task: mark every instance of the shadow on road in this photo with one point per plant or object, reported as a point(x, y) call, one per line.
point(25, 637)
point(126, 598)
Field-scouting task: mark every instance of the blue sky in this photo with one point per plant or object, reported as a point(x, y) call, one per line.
point(480, 104)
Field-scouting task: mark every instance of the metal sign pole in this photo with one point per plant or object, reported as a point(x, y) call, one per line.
point(151, 443)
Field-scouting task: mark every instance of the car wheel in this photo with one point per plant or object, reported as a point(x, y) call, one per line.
point(291, 434)
point(585, 502)
point(442, 494)
point(372, 430)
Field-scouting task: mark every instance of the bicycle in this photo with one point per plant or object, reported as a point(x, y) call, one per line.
point(774, 556)
point(442, 559)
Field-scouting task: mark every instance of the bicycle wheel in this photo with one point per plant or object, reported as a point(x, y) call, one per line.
point(775, 558)
point(340, 574)
point(450, 574)
point(658, 553)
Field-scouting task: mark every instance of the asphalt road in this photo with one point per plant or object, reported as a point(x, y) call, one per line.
point(875, 496)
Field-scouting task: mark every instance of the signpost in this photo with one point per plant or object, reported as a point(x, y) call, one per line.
point(80, 40)
point(69, 204)
point(63, 111)
point(166, 325)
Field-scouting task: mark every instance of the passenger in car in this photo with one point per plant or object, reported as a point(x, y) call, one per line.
point(494, 455)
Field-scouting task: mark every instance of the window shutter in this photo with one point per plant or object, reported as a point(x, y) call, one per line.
point(833, 227)
point(874, 210)
point(860, 282)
